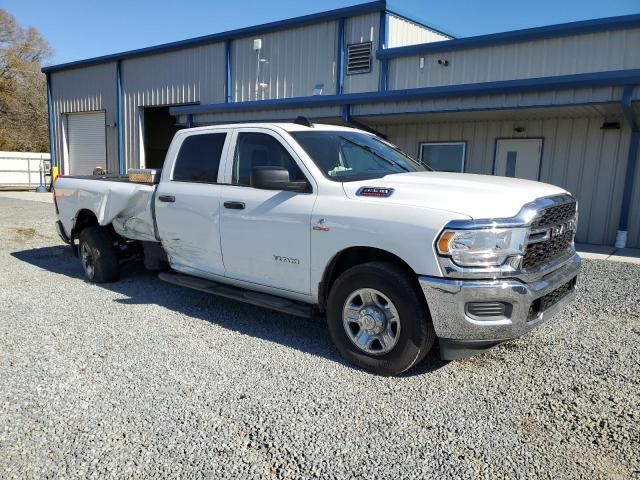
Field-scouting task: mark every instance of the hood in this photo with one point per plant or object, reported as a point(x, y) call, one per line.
point(477, 196)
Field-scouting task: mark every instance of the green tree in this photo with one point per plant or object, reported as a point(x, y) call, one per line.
point(23, 97)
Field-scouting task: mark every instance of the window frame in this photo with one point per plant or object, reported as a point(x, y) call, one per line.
point(447, 142)
point(231, 159)
point(221, 164)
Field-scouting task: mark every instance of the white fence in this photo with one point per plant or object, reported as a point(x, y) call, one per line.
point(21, 170)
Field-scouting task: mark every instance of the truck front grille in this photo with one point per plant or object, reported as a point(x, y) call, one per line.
point(552, 225)
point(555, 215)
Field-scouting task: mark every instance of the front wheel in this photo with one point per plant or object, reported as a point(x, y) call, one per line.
point(99, 255)
point(378, 320)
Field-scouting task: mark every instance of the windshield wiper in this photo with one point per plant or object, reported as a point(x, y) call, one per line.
point(370, 150)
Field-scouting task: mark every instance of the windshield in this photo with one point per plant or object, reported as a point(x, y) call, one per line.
point(348, 156)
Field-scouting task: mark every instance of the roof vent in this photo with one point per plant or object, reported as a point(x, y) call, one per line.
point(359, 58)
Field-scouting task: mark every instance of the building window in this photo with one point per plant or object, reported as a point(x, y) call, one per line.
point(359, 58)
point(443, 156)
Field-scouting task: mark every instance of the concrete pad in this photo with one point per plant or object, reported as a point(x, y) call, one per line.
point(597, 252)
point(46, 197)
point(629, 255)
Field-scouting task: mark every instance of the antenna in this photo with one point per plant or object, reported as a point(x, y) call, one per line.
point(304, 121)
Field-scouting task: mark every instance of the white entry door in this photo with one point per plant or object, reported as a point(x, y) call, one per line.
point(86, 142)
point(518, 158)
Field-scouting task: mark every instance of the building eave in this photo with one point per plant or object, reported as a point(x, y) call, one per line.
point(360, 9)
point(525, 35)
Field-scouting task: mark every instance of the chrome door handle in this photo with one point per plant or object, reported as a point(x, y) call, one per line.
point(234, 205)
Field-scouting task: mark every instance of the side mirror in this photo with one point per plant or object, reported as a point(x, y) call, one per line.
point(276, 178)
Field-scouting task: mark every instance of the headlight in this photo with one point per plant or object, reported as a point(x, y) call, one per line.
point(482, 248)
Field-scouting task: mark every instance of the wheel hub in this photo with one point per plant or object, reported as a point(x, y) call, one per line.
point(373, 320)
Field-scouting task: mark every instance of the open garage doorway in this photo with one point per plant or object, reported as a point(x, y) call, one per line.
point(159, 127)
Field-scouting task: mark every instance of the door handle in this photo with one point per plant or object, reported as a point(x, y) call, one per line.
point(234, 205)
point(167, 198)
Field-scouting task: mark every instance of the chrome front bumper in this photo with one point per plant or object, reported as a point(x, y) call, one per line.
point(460, 335)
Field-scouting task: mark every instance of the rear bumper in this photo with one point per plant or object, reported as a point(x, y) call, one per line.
point(462, 335)
point(61, 233)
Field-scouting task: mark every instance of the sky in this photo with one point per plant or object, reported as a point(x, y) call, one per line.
point(78, 29)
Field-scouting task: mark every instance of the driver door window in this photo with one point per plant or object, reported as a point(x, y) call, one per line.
point(258, 150)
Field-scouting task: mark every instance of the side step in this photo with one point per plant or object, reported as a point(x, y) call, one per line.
point(280, 304)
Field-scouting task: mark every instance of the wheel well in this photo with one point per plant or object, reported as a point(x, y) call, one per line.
point(85, 218)
point(351, 257)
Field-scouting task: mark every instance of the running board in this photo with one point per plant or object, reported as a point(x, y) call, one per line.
point(280, 304)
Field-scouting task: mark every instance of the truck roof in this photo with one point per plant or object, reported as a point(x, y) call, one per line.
point(286, 126)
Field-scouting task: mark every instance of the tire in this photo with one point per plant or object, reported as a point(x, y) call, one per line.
point(400, 344)
point(98, 255)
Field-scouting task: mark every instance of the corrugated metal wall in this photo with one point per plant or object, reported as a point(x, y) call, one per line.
point(85, 89)
point(194, 75)
point(298, 60)
point(402, 32)
point(516, 100)
point(614, 50)
point(317, 114)
point(358, 30)
point(577, 155)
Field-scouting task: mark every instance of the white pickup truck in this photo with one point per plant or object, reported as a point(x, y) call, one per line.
point(305, 218)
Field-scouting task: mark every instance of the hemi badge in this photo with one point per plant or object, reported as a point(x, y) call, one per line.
point(374, 192)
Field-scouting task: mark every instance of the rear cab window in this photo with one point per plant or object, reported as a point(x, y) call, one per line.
point(198, 160)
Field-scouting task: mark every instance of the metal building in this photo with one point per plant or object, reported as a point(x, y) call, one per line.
point(559, 103)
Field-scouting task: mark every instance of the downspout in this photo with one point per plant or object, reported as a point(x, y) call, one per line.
point(383, 39)
point(227, 71)
point(121, 166)
point(349, 120)
point(632, 160)
point(52, 143)
point(340, 58)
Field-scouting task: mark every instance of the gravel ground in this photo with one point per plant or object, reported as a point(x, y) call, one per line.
point(143, 378)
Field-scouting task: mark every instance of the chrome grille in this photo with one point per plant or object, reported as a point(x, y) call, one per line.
point(554, 215)
point(554, 245)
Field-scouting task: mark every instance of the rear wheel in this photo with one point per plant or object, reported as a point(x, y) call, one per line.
point(99, 255)
point(378, 320)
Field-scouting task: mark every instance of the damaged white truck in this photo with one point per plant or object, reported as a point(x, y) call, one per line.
point(305, 218)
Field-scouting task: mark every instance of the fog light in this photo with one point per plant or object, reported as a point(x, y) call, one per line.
point(489, 310)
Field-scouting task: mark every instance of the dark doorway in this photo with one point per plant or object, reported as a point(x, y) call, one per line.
point(159, 129)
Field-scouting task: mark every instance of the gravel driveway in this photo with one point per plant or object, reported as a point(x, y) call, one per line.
point(142, 378)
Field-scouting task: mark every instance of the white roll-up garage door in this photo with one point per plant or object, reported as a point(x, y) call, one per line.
point(86, 140)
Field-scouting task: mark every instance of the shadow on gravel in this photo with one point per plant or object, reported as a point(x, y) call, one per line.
point(141, 287)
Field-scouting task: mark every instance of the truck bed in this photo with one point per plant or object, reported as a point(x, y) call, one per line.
point(112, 199)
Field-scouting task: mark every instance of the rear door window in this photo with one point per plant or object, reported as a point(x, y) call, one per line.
point(198, 160)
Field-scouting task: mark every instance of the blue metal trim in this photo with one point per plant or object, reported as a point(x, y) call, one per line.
point(490, 109)
point(393, 10)
point(382, 44)
point(121, 165)
point(340, 58)
point(632, 157)
point(189, 121)
point(52, 144)
point(228, 73)
point(583, 80)
point(345, 114)
point(528, 34)
point(354, 10)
